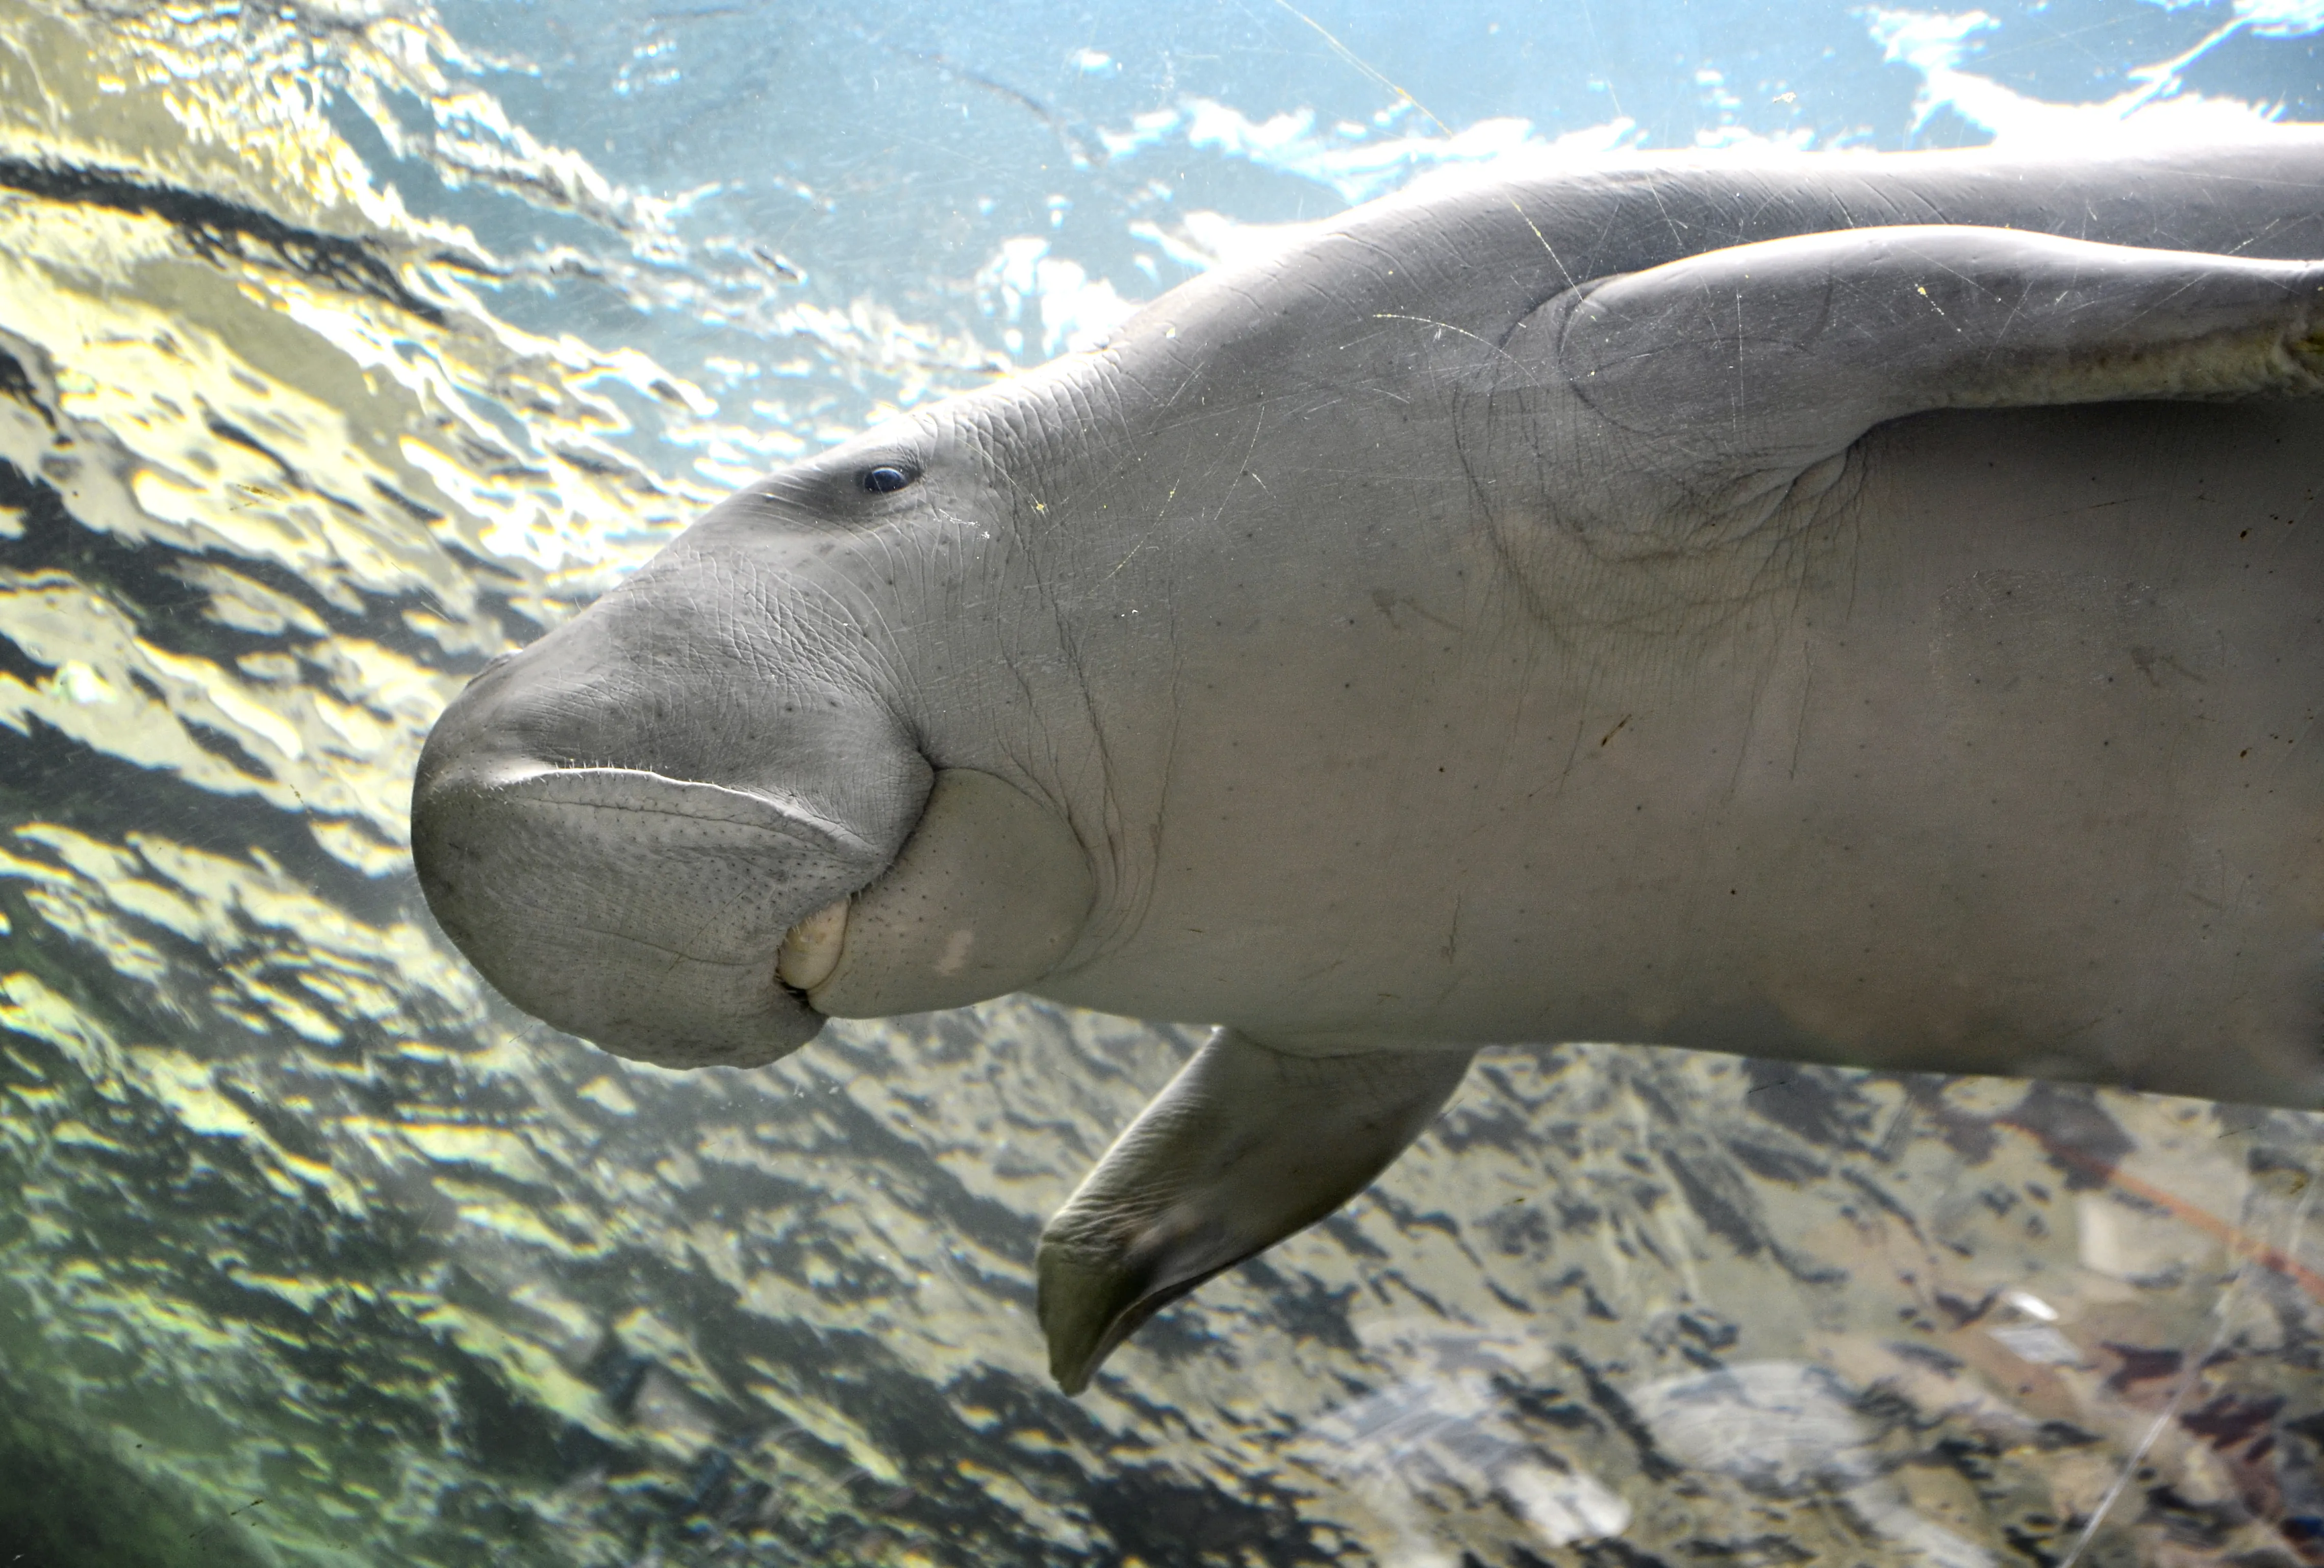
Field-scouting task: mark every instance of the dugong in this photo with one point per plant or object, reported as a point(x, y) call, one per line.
point(1862, 609)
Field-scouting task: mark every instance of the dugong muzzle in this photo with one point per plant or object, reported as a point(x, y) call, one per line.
point(644, 913)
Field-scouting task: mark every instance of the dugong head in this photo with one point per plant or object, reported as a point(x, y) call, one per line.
point(701, 816)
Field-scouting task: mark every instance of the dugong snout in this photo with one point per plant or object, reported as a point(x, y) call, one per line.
point(643, 913)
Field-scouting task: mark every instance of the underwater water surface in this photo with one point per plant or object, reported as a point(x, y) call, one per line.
point(346, 343)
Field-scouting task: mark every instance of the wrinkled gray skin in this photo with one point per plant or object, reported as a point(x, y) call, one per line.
point(1803, 609)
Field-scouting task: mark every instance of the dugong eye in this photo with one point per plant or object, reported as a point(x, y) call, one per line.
point(886, 476)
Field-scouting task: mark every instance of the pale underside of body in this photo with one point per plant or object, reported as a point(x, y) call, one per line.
point(1860, 611)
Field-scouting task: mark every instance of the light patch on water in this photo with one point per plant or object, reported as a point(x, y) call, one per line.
point(1204, 239)
point(2153, 110)
point(1049, 301)
point(1789, 1429)
point(1351, 160)
point(2269, 18)
point(1451, 1423)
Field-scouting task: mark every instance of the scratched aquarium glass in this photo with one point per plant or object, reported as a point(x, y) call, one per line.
point(345, 343)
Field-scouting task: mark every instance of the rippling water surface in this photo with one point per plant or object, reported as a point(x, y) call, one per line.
point(345, 342)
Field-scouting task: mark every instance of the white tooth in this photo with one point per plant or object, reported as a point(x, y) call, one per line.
point(810, 949)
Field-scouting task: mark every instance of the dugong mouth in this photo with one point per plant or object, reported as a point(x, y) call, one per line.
point(986, 896)
point(643, 913)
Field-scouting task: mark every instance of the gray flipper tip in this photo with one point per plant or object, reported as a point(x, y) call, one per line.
point(1246, 1145)
point(1094, 1297)
point(1076, 1317)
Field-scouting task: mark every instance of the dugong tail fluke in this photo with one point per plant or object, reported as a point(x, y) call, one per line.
point(1246, 1145)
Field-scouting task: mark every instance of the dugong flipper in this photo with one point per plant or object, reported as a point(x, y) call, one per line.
point(1246, 1145)
point(1709, 392)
